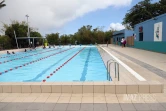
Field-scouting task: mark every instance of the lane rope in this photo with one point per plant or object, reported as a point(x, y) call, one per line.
point(17, 54)
point(51, 74)
point(51, 66)
point(31, 62)
point(27, 56)
point(20, 53)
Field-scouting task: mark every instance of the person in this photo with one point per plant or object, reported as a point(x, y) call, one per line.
point(8, 52)
point(44, 47)
point(13, 53)
point(35, 48)
point(25, 50)
point(122, 42)
point(31, 44)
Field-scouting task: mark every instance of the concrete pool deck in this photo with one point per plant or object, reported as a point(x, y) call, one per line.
point(149, 65)
point(81, 102)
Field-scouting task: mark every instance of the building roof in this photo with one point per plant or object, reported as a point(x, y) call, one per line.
point(119, 32)
point(29, 37)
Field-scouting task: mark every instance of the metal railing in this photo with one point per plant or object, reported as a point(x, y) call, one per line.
point(116, 65)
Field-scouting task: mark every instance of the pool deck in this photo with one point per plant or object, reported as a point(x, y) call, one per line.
point(96, 96)
point(81, 102)
point(149, 65)
point(138, 74)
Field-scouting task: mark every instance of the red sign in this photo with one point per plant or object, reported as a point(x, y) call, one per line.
point(140, 29)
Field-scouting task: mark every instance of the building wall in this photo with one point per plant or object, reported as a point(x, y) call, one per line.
point(151, 46)
point(148, 28)
point(148, 42)
point(120, 34)
point(128, 33)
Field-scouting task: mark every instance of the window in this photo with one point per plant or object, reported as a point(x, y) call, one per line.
point(140, 36)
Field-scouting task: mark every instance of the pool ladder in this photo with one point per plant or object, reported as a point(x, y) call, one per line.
point(116, 65)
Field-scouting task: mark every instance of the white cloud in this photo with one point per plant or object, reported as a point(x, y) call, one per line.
point(116, 26)
point(52, 14)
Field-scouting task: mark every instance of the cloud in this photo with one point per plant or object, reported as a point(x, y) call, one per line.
point(116, 26)
point(53, 14)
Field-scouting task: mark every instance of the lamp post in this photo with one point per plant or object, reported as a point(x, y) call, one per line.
point(28, 29)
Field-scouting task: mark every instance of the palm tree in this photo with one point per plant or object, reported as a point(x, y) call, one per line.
point(1, 4)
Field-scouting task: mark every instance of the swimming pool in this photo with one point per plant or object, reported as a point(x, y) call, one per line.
point(82, 63)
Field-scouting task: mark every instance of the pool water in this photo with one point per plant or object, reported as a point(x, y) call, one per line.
point(55, 64)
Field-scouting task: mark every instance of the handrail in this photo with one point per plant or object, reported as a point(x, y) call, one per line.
point(116, 71)
point(116, 65)
point(108, 68)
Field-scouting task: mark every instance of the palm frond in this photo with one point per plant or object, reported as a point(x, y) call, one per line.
point(2, 4)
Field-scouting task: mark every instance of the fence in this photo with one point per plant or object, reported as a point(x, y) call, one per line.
point(130, 41)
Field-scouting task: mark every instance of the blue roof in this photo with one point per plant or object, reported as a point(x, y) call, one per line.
point(121, 32)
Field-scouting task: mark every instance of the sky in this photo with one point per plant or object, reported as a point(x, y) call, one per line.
point(66, 16)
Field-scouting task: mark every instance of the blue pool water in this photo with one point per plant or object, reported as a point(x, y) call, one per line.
point(84, 64)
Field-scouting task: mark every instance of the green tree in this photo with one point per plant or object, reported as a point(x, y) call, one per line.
point(161, 6)
point(84, 35)
point(5, 42)
point(20, 29)
point(53, 39)
point(65, 39)
point(143, 11)
point(35, 34)
point(108, 35)
point(2, 4)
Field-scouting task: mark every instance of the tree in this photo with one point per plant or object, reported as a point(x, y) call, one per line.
point(53, 39)
point(20, 29)
point(143, 11)
point(2, 4)
point(162, 6)
point(65, 39)
point(35, 34)
point(5, 42)
point(108, 35)
point(84, 35)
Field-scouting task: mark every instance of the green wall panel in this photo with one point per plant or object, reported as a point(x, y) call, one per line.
point(151, 46)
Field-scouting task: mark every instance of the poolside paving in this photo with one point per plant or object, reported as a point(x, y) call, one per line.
point(150, 65)
point(107, 102)
point(155, 69)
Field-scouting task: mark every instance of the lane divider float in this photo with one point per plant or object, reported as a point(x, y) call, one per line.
point(51, 74)
point(27, 56)
point(17, 54)
point(23, 65)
